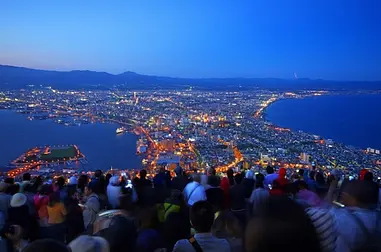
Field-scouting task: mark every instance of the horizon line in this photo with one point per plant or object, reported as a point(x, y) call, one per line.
point(199, 78)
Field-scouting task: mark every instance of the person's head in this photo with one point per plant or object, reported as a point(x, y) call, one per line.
point(213, 181)
point(3, 187)
point(319, 178)
point(85, 243)
point(179, 170)
point(45, 245)
point(175, 228)
point(210, 171)
point(249, 174)
point(143, 174)
point(121, 234)
point(301, 185)
point(312, 175)
point(280, 224)
point(196, 177)
point(54, 198)
point(29, 188)
point(162, 170)
point(301, 173)
point(368, 176)
point(108, 176)
point(114, 181)
point(147, 218)
point(359, 193)
point(60, 182)
point(98, 174)
point(83, 180)
point(9, 180)
point(238, 178)
point(230, 173)
point(202, 216)
point(45, 189)
point(73, 180)
point(259, 179)
point(26, 176)
point(92, 187)
point(362, 173)
point(269, 169)
point(38, 182)
point(282, 173)
point(13, 189)
point(227, 226)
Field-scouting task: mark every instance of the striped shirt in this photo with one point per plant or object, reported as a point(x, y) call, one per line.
point(324, 223)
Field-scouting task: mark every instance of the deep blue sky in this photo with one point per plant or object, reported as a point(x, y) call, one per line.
point(329, 39)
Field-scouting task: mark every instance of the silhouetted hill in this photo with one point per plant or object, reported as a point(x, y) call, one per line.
point(12, 77)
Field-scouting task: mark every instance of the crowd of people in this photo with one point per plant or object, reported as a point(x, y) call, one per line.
point(248, 211)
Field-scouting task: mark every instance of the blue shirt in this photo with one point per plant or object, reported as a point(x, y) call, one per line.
point(207, 242)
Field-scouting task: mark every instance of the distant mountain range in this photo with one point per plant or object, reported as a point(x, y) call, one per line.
point(12, 77)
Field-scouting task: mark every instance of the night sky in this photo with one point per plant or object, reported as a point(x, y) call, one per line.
point(327, 39)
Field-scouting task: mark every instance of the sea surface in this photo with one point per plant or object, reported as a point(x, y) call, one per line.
point(98, 142)
point(350, 119)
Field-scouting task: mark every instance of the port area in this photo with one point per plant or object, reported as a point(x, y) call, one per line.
point(45, 157)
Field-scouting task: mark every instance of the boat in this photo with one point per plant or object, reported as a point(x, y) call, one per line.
point(120, 130)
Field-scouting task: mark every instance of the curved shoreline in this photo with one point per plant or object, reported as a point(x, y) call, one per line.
point(267, 120)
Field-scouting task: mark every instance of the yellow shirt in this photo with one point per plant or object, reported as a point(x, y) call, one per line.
point(56, 213)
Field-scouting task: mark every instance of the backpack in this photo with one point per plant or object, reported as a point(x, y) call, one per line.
point(372, 242)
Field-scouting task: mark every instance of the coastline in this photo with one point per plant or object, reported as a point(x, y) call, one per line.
point(266, 119)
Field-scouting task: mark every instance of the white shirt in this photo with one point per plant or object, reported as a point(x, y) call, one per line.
point(194, 192)
point(207, 242)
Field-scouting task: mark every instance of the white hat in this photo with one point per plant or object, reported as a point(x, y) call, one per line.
point(18, 200)
point(85, 243)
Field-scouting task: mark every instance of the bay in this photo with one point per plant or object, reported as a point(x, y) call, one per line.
point(350, 119)
point(100, 144)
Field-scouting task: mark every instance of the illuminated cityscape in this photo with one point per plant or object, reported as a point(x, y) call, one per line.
point(193, 129)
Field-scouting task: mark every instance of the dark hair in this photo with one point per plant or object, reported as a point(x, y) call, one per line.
point(301, 172)
point(312, 175)
point(45, 189)
point(259, 179)
point(82, 182)
point(54, 198)
point(29, 188)
point(143, 174)
point(94, 186)
point(301, 184)
point(227, 226)
point(238, 178)
point(368, 176)
point(26, 176)
point(202, 216)
point(320, 180)
point(46, 245)
point(148, 218)
point(98, 173)
point(121, 234)
point(9, 180)
point(13, 189)
point(60, 182)
point(280, 224)
point(175, 228)
point(269, 169)
point(214, 181)
point(364, 192)
point(230, 175)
